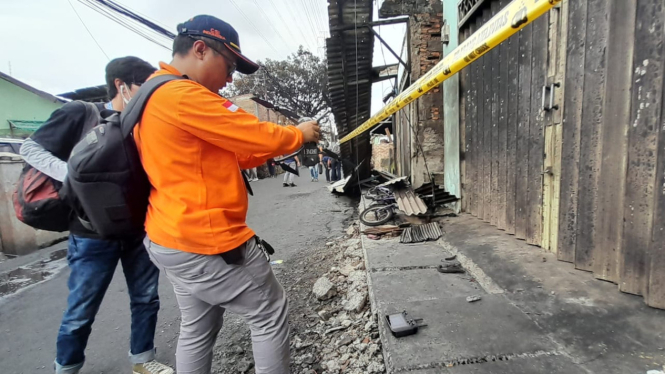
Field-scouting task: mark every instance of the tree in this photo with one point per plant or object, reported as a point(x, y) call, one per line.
point(299, 83)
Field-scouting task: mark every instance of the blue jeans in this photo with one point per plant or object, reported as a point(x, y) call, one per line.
point(336, 170)
point(92, 263)
point(314, 171)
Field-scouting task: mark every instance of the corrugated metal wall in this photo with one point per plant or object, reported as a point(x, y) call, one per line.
point(610, 216)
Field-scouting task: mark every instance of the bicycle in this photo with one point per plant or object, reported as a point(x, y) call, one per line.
point(377, 215)
point(378, 192)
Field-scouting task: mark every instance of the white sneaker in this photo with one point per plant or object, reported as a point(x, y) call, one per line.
point(152, 367)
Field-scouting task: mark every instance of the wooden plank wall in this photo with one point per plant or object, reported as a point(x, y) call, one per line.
point(643, 136)
point(536, 142)
point(572, 115)
point(592, 115)
point(504, 128)
point(611, 194)
point(616, 116)
point(502, 143)
point(612, 136)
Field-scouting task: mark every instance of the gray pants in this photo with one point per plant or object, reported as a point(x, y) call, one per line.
point(288, 177)
point(206, 286)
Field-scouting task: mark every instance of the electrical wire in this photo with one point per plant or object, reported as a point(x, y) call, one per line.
point(265, 16)
point(144, 30)
point(131, 14)
point(298, 23)
point(322, 21)
point(317, 16)
point(254, 26)
point(286, 24)
point(88, 30)
point(309, 21)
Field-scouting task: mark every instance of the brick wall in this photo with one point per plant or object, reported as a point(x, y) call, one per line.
point(425, 51)
point(382, 156)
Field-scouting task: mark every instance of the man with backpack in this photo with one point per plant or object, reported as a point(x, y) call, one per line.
point(91, 258)
point(193, 145)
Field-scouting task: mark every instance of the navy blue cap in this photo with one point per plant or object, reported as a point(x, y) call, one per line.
point(214, 28)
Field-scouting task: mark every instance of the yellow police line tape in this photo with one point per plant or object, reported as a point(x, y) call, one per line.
point(507, 22)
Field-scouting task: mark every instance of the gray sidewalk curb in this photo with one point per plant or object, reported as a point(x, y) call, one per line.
point(471, 267)
point(36, 256)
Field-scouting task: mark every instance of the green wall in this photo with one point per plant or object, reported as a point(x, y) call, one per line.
point(17, 103)
point(451, 119)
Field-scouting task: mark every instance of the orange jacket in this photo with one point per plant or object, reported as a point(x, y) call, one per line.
point(192, 144)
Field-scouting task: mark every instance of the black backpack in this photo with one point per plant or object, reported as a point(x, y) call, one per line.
point(106, 183)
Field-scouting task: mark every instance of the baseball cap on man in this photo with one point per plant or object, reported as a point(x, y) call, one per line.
point(216, 29)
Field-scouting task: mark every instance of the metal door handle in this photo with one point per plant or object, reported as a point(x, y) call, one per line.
point(551, 90)
point(552, 106)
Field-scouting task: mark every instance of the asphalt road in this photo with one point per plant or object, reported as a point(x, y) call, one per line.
point(291, 219)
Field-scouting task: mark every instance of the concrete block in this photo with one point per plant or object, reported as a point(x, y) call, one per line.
point(457, 330)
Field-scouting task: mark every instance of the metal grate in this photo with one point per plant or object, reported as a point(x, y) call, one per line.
point(465, 9)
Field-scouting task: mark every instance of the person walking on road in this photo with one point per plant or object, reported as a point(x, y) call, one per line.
point(252, 177)
point(326, 165)
point(335, 165)
point(293, 163)
point(271, 167)
point(93, 260)
point(193, 144)
point(314, 172)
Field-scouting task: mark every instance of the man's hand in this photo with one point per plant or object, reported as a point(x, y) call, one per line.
point(310, 131)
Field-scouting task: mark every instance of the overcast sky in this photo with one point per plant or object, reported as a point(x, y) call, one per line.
point(45, 45)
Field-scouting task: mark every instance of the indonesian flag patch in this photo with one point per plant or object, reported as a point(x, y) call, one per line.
point(230, 106)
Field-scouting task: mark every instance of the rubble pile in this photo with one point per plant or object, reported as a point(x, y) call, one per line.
point(331, 325)
point(345, 339)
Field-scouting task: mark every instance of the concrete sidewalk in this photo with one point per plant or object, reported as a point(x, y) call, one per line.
point(536, 315)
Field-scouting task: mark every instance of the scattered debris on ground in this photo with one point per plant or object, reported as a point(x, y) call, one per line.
point(452, 267)
point(385, 230)
point(472, 299)
point(332, 328)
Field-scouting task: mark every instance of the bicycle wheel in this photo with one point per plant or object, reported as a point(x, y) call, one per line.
point(376, 215)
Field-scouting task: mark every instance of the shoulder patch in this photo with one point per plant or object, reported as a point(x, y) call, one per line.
point(230, 106)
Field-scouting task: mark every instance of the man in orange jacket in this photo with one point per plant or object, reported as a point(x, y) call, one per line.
point(193, 144)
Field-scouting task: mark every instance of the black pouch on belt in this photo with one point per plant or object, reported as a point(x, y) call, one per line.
point(235, 256)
